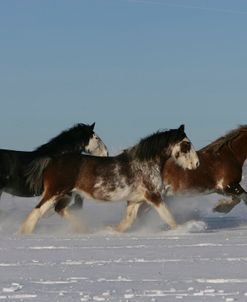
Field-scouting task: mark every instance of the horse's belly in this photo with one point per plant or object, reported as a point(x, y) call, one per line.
point(105, 194)
point(113, 195)
point(189, 192)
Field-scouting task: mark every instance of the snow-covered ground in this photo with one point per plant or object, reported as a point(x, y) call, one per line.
point(204, 260)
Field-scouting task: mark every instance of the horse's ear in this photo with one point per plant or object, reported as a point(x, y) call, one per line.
point(181, 128)
point(92, 126)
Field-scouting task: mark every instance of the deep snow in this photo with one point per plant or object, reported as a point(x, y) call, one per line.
point(204, 260)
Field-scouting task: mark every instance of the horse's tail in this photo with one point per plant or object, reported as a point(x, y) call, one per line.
point(34, 174)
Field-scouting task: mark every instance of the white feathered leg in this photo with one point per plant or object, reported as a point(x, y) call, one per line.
point(129, 218)
point(32, 219)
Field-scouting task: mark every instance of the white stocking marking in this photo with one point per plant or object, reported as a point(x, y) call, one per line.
point(32, 219)
point(165, 214)
point(129, 218)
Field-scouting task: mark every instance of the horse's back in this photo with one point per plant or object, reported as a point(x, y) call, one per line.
point(73, 164)
point(83, 172)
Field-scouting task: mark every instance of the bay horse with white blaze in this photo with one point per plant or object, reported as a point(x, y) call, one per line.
point(133, 175)
point(21, 171)
point(220, 171)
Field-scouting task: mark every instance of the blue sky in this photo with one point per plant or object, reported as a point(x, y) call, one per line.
point(133, 67)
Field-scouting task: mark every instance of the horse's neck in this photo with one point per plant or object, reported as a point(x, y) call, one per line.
point(56, 151)
point(137, 163)
point(239, 148)
point(150, 168)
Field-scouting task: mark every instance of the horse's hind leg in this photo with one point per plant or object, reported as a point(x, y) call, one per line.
point(226, 205)
point(78, 202)
point(63, 211)
point(143, 210)
point(129, 218)
point(155, 200)
point(34, 216)
point(237, 193)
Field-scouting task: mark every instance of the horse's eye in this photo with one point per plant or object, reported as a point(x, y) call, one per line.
point(185, 147)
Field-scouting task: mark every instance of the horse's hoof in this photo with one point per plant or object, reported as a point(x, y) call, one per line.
point(113, 229)
point(223, 206)
point(23, 231)
point(173, 226)
point(81, 229)
point(220, 209)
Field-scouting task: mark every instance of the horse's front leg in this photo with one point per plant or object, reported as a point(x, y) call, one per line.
point(130, 216)
point(156, 201)
point(236, 192)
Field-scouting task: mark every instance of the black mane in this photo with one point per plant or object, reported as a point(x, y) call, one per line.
point(72, 140)
point(151, 146)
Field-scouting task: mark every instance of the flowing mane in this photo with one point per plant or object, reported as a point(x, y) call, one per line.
point(69, 140)
point(150, 146)
point(225, 139)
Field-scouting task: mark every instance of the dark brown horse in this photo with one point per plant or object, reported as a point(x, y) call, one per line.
point(21, 171)
point(220, 171)
point(133, 175)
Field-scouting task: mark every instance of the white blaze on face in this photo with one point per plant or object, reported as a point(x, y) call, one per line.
point(96, 147)
point(185, 155)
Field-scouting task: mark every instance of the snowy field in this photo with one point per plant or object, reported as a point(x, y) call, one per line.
point(204, 260)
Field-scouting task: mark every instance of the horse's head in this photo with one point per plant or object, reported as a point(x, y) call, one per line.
point(161, 145)
point(95, 145)
point(79, 138)
point(182, 150)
